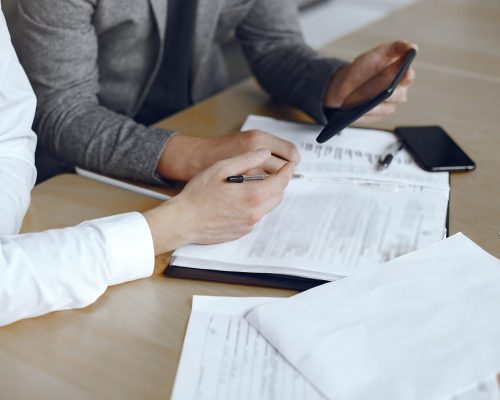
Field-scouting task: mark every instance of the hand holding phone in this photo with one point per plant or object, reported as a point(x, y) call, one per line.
point(366, 97)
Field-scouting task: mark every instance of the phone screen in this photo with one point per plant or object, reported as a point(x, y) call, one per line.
point(366, 97)
point(433, 149)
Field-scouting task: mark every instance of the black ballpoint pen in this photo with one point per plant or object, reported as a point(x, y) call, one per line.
point(246, 178)
point(390, 155)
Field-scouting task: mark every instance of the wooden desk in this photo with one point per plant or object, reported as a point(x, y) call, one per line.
point(127, 345)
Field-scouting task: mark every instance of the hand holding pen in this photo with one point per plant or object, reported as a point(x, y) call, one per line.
point(247, 178)
point(209, 210)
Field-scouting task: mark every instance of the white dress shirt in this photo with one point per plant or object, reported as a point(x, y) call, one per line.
point(57, 269)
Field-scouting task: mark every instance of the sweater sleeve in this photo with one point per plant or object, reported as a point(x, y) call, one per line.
point(58, 46)
point(282, 62)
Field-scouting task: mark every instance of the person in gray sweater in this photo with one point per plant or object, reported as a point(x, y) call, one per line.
point(103, 70)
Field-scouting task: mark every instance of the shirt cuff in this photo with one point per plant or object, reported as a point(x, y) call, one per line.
point(129, 244)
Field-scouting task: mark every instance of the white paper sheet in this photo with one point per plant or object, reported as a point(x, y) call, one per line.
point(223, 357)
point(486, 389)
point(326, 231)
point(422, 326)
point(353, 154)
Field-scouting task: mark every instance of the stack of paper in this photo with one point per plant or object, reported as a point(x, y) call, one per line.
point(422, 326)
point(345, 215)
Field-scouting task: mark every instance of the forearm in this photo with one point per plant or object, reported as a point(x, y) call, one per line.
point(96, 138)
point(70, 268)
point(284, 65)
point(298, 76)
point(59, 47)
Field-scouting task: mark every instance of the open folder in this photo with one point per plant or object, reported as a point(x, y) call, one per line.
point(345, 213)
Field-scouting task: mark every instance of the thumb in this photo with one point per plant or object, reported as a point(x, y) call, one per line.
point(244, 162)
point(395, 50)
point(368, 65)
point(378, 58)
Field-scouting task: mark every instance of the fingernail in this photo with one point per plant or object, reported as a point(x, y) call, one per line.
point(264, 152)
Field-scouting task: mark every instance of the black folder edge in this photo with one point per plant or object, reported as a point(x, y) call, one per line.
point(244, 278)
point(259, 279)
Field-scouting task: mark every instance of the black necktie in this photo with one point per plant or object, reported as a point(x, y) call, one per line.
point(170, 91)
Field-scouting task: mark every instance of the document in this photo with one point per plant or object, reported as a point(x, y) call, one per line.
point(327, 231)
point(223, 357)
point(423, 326)
point(353, 154)
point(345, 214)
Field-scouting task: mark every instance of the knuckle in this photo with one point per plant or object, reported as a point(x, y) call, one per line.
point(294, 152)
point(254, 137)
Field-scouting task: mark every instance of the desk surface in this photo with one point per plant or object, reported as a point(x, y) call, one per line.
point(127, 345)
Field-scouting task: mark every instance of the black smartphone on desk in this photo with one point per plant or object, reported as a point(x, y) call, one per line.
point(365, 98)
point(433, 149)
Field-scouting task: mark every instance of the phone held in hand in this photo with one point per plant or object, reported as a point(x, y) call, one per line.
point(371, 94)
point(433, 149)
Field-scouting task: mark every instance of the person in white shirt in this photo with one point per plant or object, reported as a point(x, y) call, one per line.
point(70, 268)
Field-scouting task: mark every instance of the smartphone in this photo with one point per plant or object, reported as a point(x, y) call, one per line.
point(368, 96)
point(433, 149)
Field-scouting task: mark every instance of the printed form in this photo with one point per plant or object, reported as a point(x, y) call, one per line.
point(353, 154)
point(345, 214)
point(328, 231)
point(224, 358)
